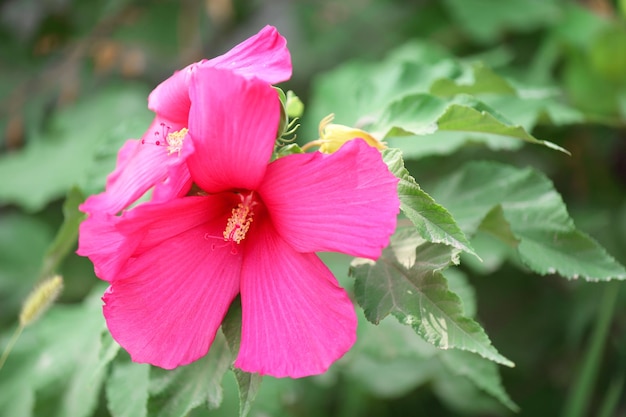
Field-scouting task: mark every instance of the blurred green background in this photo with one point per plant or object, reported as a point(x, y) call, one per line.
point(74, 79)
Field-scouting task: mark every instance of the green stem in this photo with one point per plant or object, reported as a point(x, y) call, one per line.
point(7, 350)
point(580, 394)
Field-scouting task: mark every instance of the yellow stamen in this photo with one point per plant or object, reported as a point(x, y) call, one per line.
point(238, 223)
point(175, 141)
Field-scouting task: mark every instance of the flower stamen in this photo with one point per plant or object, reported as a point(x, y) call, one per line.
point(238, 223)
point(172, 140)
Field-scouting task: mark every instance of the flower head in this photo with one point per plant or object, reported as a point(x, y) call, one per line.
point(158, 158)
point(251, 227)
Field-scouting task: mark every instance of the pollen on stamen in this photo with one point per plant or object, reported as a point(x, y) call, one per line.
point(236, 228)
point(173, 141)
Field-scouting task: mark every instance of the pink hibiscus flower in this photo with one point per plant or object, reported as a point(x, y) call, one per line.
point(156, 159)
point(250, 227)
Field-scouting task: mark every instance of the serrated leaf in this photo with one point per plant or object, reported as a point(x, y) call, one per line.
point(549, 242)
point(127, 389)
point(483, 373)
point(432, 221)
point(416, 293)
point(192, 385)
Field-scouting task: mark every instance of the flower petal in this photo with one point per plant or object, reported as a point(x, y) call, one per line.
point(233, 123)
point(264, 55)
point(140, 166)
point(296, 319)
point(110, 241)
point(105, 246)
point(344, 202)
point(170, 99)
point(169, 301)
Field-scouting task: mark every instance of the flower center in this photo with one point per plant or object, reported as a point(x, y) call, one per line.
point(172, 140)
point(238, 223)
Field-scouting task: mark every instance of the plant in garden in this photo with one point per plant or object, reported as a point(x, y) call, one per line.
point(208, 228)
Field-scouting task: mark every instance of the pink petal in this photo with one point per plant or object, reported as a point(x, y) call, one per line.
point(169, 302)
point(344, 202)
point(140, 166)
point(233, 123)
point(170, 99)
point(296, 319)
point(151, 224)
point(110, 241)
point(99, 239)
point(264, 55)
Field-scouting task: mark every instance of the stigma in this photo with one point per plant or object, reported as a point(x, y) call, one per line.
point(173, 141)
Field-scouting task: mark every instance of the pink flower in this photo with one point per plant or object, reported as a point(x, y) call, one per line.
point(251, 227)
point(157, 160)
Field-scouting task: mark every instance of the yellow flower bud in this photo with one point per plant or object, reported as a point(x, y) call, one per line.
point(332, 136)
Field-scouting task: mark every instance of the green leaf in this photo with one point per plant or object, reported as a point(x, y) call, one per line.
point(482, 80)
point(414, 114)
point(63, 154)
point(127, 389)
point(175, 393)
point(420, 114)
point(479, 118)
point(285, 150)
point(65, 239)
point(432, 221)
point(247, 383)
point(390, 349)
point(521, 205)
point(406, 281)
point(483, 373)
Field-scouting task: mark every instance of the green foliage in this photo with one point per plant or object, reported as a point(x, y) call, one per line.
point(66, 151)
point(410, 286)
point(521, 208)
point(483, 213)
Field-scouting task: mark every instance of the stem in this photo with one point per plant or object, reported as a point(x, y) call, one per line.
point(311, 144)
point(580, 395)
point(9, 347)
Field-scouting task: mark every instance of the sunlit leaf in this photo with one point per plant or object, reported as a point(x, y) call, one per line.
point(406, 282)
point(431, 220)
